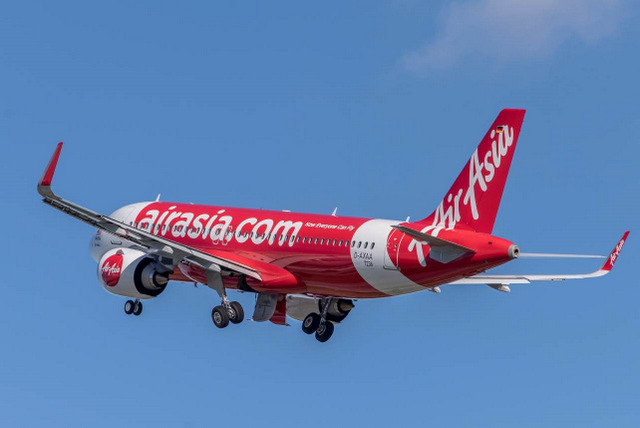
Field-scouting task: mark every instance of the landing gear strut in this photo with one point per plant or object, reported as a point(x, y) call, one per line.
point(319, 323)
point(133, 307)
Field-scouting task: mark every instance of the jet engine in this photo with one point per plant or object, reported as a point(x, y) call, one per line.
point(131, 273)
point(298, 307)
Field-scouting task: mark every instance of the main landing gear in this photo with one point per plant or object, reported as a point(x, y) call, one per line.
point(319, 323)
point(133, 307)
point(227, 311)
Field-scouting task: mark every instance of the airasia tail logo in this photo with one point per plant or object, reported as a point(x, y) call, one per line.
point(482, 170)
point(111, 270)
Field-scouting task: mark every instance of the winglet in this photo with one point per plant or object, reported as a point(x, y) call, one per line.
point(608, 265)
point(44, 185)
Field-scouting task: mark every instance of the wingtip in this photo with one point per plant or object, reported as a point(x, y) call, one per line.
point(47, 176)
point(608, 265)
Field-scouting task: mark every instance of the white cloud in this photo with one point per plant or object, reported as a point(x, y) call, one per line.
point(511, 30)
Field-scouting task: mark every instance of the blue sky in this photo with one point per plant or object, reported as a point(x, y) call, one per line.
point(373, 107)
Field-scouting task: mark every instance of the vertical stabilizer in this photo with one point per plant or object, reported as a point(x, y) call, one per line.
point(474, 198)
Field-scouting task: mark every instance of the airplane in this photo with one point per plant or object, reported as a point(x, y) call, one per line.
point(312, 267)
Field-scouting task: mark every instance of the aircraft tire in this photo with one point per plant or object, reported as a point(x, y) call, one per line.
point(238, 313)
point(220, 316)
point(128, 307)
point(137, 308)
point(324, 332)
point(311, 323)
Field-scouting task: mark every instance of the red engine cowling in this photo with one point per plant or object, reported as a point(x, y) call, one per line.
point(131, 273)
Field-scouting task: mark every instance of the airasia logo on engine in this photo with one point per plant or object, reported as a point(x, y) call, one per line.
point(111, 270)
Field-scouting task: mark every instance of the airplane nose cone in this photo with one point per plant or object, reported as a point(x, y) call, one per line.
point(514, 251)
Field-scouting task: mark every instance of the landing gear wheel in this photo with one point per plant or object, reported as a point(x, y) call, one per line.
point(137, 308)
point(220, 316)
point(311, 323)
point(238, 312)
point(324, 331)
point(128, 307)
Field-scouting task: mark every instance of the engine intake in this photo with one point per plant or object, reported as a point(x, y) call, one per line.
point(131, 273)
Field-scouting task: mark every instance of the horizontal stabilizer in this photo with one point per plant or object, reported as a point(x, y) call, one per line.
point(526, 279)
point(558, 256)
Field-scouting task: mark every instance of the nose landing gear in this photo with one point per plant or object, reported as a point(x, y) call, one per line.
point(133, 307)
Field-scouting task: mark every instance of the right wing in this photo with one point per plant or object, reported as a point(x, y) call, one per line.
point(498, 280)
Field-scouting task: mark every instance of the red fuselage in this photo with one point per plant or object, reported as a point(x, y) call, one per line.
point(328, 255)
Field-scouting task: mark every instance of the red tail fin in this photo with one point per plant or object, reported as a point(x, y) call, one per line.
point(474, 198)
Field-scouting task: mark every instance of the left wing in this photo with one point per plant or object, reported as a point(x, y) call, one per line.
point(155, 244)
point(503, 280)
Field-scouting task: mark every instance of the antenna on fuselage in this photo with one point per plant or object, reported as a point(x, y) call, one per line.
point(335, 210)
point(158, 197)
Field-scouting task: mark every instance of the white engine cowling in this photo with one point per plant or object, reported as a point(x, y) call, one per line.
point(298, 307)
point(131, 273)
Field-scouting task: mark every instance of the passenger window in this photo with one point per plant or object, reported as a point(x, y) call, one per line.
point(372, 244)
point(366, 244)
point(340, 244)
point(322, 241)
point(315, 241)
point(353, 244)
point(359, 244)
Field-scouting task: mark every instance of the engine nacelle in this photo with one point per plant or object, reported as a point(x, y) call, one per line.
point(131, 273)
point(298, 307)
